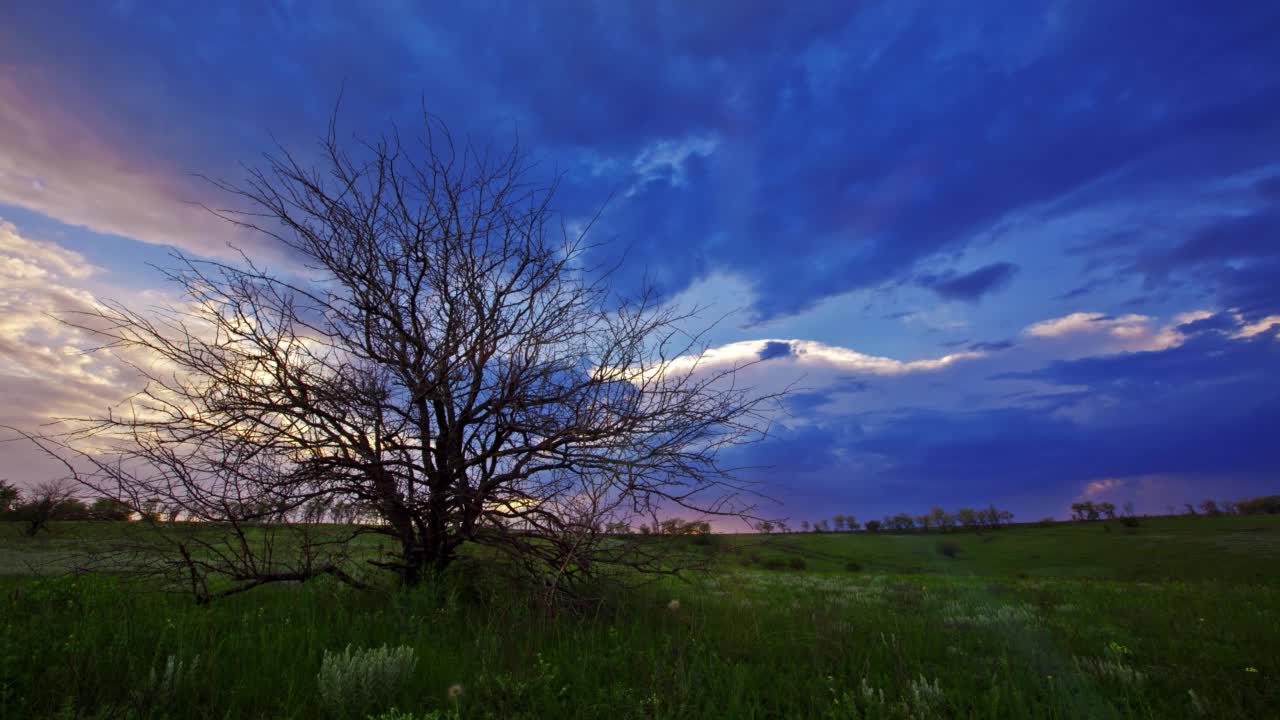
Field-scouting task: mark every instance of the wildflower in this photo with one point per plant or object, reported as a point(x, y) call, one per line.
point(1251, 669)
point(455, 691)
point(673, 605)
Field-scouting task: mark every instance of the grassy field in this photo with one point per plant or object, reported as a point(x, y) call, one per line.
point(1177, 618)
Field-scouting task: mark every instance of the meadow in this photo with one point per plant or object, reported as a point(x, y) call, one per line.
point(1179, 617)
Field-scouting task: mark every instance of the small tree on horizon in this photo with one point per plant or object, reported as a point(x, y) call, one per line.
point(44, 503)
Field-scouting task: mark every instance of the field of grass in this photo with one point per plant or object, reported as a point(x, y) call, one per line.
point(1177, 618)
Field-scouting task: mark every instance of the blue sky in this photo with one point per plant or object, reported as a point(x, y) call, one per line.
point(1020, 253)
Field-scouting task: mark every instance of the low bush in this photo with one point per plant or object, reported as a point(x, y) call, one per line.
point(949, 549)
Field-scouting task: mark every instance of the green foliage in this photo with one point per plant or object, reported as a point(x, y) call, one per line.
point(355, 682)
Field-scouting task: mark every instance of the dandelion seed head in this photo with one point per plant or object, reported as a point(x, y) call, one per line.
point(673, 605)
point(455, 691)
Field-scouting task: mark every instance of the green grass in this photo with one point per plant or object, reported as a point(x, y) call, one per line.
point(1229, 548)
point(1068, 621)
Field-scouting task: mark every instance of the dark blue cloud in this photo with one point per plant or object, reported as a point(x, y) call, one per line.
point(775, 349)
point(1219, 322)
point(991, 346)
point(854, 142)
point(970, 286)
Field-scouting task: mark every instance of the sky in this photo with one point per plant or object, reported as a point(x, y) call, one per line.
point(1020, 253)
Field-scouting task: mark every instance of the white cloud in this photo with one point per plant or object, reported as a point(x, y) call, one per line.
point(65, 166)
point(666, 159)
point(803, 357)
point(38, 354)
point(1094, 332)
point(1248, 330)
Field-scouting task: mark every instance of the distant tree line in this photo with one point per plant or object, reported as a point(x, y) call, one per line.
point(670, 526)
point(55, 500)
point(1089, 511)
point(937, 518)
point(58, 500)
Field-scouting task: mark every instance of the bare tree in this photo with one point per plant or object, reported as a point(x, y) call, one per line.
point(449, 369)
point(42, 504)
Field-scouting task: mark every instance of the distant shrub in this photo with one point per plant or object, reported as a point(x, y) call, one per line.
point(354, 683)
point(702, 539)
point(853, 566)
point(797, 563)
point(1046, 522)
point(872, 526)
point(949, 549)
point(1129, 521)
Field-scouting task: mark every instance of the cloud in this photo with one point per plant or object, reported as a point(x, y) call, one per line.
point(992, 346)
point(775, 349)
point(971, 286)
point(60, 164)
point(1177, 422)
point(884, 140)
point(810, 355)
point(666, 160)
point(44, 372)
point(1095, 332)
point(1265, 325)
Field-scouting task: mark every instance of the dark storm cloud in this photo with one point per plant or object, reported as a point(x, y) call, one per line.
point(970, 286)
point(1235, 259)
point(775, 349)
point(1219, 322)
point(853, 142)
point(991, 346)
